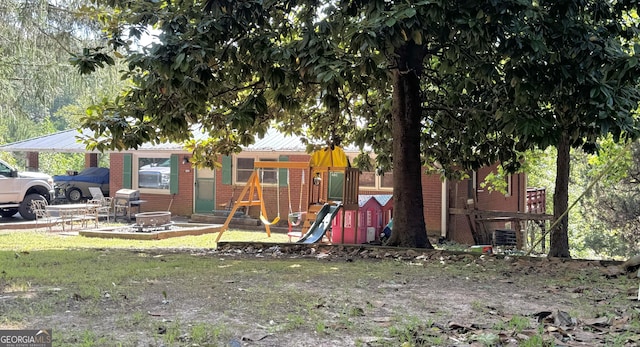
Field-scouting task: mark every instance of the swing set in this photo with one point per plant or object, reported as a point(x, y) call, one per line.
point(253, 194)
point(330, 180)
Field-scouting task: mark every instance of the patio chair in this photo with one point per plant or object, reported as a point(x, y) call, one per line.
point(39, 208)
point(96, 193)
point(106, 208)
point(92, 213)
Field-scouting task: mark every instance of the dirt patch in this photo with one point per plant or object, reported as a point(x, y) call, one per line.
point(252, 294)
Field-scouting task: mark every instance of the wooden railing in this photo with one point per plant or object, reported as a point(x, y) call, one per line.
point(536, 200)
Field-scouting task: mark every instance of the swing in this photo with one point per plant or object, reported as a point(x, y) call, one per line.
point(263, 218)
point(295, 218)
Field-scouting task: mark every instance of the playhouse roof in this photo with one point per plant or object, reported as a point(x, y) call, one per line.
point(383, 199)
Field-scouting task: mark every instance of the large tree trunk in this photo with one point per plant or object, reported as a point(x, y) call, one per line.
point(409, 228)
point(560, 235)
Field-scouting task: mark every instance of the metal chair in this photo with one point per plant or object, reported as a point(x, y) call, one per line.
point(39, 208)
point(106, 208)
point(92, 212)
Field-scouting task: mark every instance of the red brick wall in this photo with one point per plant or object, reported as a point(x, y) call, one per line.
point(116, 165)
point(90, 160)
point(33, 161)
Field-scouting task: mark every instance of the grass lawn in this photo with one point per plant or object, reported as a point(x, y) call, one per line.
point(183, 292)
point(29, 240)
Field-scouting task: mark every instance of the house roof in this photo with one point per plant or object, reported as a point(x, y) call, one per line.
point(63, 141)
point(67, 142)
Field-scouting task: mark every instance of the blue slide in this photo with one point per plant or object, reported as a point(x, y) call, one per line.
point(321, 225)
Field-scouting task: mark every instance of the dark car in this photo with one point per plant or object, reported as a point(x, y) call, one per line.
point(75, 188)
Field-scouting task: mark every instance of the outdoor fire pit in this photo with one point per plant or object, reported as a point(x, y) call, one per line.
point(147, 221)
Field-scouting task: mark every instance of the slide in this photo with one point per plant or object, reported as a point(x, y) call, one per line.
point(321, 225)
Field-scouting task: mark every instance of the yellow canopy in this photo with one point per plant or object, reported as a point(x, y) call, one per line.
point(329, 157)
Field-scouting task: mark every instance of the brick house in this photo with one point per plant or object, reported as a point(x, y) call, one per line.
point(167, 181)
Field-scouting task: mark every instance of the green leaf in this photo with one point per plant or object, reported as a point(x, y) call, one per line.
point(390, 22)
point(179, 59)
point(409, 12)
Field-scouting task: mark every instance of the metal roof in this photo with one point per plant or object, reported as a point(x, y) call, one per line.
point(67, 142)
point(64, 141)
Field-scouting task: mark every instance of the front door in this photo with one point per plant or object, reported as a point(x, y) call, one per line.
point(205, 191)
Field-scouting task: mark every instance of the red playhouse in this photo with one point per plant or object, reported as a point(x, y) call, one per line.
point(386, 201)
point(368, 226)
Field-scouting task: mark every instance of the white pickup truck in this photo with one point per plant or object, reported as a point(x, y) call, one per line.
point(19, 189)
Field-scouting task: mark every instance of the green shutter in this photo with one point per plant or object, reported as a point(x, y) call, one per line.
point(126, 170)
point(226, 169)
point(173, 174)
point(283, 173)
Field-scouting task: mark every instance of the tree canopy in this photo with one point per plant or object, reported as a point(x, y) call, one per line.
point(580, 80)
point(458, 83)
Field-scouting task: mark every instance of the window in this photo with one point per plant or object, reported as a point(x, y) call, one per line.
point(508, 182)
point(268, 176)
point(244, 169)
point(369, 180)
point(386, 180)
point(154, 173)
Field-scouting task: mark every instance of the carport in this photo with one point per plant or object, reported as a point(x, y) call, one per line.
point(60, 142)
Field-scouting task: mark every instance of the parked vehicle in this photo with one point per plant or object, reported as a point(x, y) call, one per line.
point(75, 188)
point(155, 176)
point(19, 189)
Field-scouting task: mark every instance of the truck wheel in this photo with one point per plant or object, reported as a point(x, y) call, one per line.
point(8, 213)
point(74, 195)
point(25, 206)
